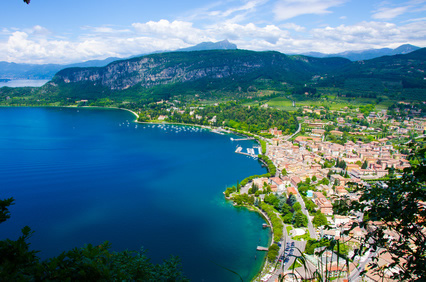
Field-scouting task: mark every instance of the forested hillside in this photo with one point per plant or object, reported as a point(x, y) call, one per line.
point(235, 74)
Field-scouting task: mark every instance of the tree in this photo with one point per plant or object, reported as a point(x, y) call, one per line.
point(297, 206)
point(364, 165)
point(285, 209)
point(319, 219)
point(90, 263)
point(272, 200)
point(254, 188)
point(300, 220)
point(314, 178)
point(273, 252)
point(325, 181)
point(288, 218)
point(282, 202)
point(396, 211)
point(310, 206)
point(308, 180)
point(291, 200)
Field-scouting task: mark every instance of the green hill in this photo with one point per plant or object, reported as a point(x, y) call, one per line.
point(199, 71)
point(236, 74)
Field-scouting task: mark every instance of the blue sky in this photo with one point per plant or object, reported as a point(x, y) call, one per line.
point(51, 31)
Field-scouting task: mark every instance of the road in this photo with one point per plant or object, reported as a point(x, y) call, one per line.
point(312, 230)
point(297, 131)
point(354, 275)
point(290, 249)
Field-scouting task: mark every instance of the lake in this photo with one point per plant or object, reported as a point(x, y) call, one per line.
point(83, 176)
point(24, 83)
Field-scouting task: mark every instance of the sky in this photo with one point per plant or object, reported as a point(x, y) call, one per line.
point(62, 32)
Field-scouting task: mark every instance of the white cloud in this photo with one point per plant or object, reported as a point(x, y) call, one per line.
point(389, 13)
point(367, 35)
point(287, 9)
point(176, 29)
point(38, 45)
point(39, 30)
point(248, 32)
point(249, 6)
point(105, 30)
point(293, 26)
point(226, 11)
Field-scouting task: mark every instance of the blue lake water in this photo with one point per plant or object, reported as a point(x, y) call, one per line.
point(83, 176)
point(24, 83)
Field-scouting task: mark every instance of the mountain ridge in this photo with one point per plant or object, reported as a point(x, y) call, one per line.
point(179, 67)
point(367, 54)
point(47, 71)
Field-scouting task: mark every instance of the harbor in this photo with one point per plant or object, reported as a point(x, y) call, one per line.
point(250, 151)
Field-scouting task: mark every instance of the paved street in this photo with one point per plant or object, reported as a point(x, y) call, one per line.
point(289, 250)
point(311, 228)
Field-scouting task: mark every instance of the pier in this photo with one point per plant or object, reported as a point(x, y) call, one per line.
point(250, 152)
point(260, 248)
point(242, 139)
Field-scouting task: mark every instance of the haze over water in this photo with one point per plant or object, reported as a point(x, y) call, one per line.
point(83, 176)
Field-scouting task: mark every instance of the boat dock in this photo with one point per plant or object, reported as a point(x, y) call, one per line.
point(260, 248)
point(250, 152)
point(242, 139)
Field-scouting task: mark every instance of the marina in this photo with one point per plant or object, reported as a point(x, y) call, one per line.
point(250, 151)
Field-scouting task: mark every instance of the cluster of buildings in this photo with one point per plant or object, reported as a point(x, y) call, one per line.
point(311, 157)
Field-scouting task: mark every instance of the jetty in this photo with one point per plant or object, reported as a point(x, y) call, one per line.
point(250, 152)
point(242, 139)
point(260, 248)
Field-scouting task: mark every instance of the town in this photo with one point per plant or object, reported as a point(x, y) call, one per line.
point(316, 169)
point(321, 172)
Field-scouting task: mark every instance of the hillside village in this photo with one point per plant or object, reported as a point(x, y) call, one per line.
point(322, 172)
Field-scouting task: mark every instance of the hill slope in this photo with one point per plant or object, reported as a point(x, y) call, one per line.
point(388, 72)
point(205, 67)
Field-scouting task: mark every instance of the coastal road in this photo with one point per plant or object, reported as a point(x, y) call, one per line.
point(291, 250)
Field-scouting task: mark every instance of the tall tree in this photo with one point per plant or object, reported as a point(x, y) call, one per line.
point(319, 219)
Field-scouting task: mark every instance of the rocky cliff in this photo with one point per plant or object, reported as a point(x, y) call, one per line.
point(180, 67)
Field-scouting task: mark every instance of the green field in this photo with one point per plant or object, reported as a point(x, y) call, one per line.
point(330, 100)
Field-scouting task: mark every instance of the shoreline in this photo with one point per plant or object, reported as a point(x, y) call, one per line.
point(116, 108)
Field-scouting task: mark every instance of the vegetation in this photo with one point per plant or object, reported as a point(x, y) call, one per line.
point(276, 221)
point(273, 252)
point(319, 219)
point(255, 78)
point(89, 263)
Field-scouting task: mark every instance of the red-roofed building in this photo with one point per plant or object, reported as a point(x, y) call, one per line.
point(291, 190)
